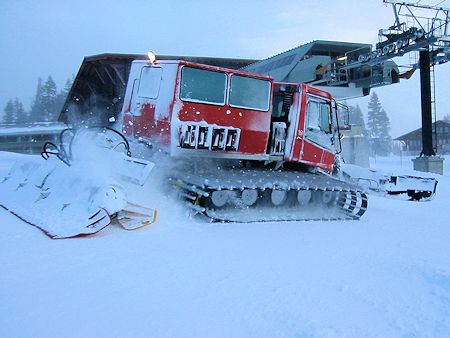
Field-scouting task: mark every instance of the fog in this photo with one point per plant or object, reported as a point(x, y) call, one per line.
point(41, 38)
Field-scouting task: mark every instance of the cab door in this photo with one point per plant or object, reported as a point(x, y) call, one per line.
point(145, 94)
point(318, 146)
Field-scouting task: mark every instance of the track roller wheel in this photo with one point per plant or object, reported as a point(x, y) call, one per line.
point(249, 196)
point(220, 197)
point(328, 197)
point(278, 197)
point(304, 197)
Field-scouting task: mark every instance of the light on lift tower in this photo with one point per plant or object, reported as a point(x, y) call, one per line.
point(151, 57)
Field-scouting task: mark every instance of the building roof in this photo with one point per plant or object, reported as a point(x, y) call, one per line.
point(40, 128)
point(102, 79)
point(279, 66)
point(330, 65)
point(233, 63)
point(418, 132)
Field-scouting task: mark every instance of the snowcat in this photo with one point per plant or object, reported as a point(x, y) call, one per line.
point(251, 149)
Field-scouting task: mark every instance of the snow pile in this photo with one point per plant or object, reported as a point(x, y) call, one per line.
point(75, 195)
point(387, 275)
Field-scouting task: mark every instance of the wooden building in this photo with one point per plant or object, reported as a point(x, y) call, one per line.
point(412, 141)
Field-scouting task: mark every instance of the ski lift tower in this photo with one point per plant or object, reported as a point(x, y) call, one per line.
point(433, 21)
point(424, 29)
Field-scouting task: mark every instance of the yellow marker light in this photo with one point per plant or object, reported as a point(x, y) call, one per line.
point(342, 58)
point(151, 57)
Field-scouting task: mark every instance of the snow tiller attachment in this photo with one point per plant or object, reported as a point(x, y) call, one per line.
point(413, 187)
point(84, 183)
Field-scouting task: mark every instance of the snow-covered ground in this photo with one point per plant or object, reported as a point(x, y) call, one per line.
point(387, 275)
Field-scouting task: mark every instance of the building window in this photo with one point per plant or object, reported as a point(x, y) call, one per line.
point(9, 139)
point(40, 138)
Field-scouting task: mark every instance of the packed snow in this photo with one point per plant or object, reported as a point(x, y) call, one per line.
point(387, 275)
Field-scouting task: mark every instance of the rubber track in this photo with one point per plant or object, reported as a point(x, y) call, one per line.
point(349, 202)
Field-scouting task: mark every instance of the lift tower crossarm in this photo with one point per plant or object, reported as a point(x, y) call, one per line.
point(441, 14)
point(414, 4)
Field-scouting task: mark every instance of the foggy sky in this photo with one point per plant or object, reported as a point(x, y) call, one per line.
point(41, 38)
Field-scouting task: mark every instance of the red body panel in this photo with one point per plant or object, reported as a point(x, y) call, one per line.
point(316, 156)
point(147, 126)
point(254, 125)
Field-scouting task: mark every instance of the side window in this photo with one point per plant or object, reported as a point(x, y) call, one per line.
point(277, 105)
point(318, 128)
point(313, 115)
point(250, 93)
point(150, 82)
point(325, 113)
point(319, 116)
point(201, 85)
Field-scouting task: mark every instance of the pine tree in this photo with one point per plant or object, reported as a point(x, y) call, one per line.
point(378, 127)
point(10, 116)
point(14, 112)
point(61, 97)
point(37, 106)
point(44, 107)
point(356, 116)
point(22, 115)
point(49, 100)
point(447, 118)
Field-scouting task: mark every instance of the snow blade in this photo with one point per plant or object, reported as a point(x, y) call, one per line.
point(67, 201)
point(80, 186)
point(93, 224)
point(135, 216)
point(55, 198)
